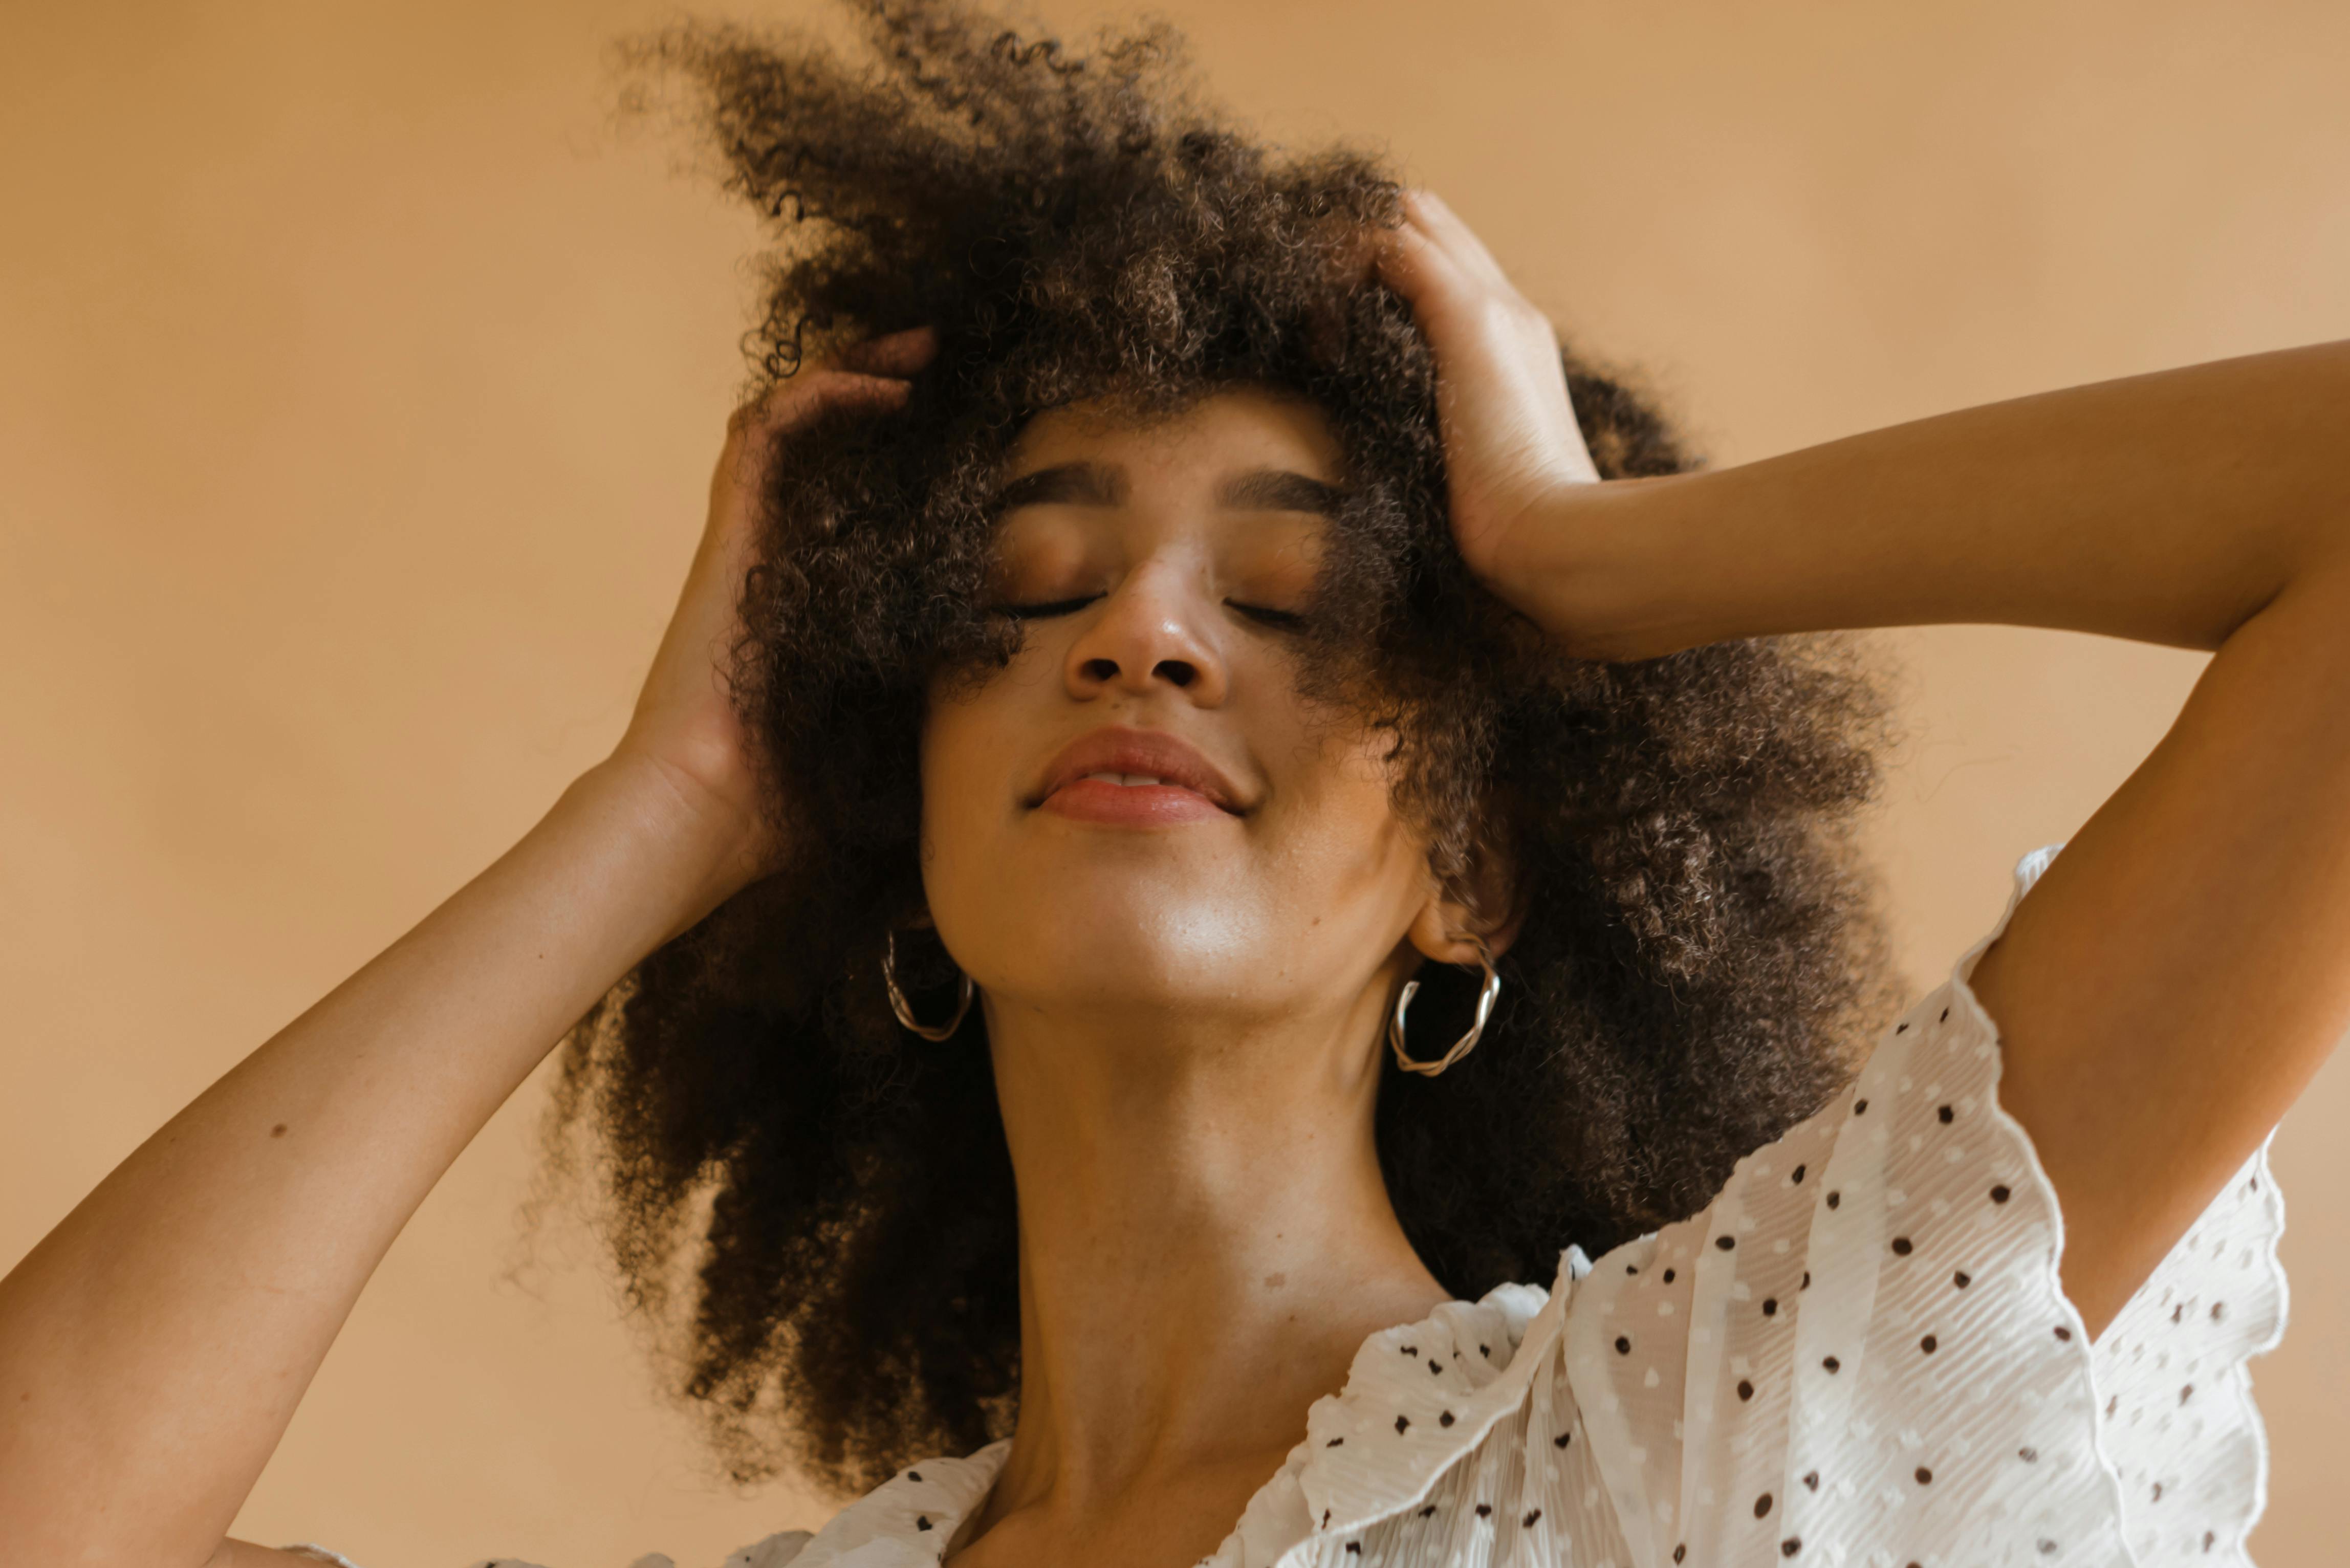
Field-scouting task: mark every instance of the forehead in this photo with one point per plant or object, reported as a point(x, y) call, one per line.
point(1234, 427)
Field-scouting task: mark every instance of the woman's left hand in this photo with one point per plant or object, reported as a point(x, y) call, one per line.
point(1511, 441)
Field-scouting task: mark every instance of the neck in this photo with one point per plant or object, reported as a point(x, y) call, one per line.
point(1205, 1241)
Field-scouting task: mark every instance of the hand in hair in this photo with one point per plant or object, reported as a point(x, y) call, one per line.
point(1510, 439)
point(685, 732)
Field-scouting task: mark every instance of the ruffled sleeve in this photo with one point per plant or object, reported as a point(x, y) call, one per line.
point(1860, 1351)
point(777, 1551)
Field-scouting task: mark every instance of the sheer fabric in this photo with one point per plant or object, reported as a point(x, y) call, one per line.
point(1857, 1353)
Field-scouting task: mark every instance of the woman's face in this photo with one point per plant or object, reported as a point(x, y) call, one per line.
point(1265, 874)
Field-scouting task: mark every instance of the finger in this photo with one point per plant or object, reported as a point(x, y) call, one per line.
point(844, 389)
point(794, 403)
point(798, 399)
point(1443, 226)
point(893, 354)
point(1411, 262)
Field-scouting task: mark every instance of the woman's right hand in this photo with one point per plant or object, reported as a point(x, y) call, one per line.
point(154, 1345)
point(685, 742)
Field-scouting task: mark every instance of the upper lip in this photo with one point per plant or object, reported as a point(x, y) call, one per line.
point(1152, 752)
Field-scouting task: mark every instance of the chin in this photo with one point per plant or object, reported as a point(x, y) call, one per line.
point(1132, 952)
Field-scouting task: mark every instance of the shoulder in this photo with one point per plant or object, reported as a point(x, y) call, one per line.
point(1867, 1324)
point(775, 1552)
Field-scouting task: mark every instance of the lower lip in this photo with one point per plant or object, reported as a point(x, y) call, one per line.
point(1132, 806)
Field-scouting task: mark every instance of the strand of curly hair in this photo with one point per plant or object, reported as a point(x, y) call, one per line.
point(1701, 948)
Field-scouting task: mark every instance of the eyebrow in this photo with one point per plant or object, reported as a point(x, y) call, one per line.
point(1097, 485)
point(1279, 490)
point(1065, 484)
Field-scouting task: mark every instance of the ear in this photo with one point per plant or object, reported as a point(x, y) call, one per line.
point(1485, 902)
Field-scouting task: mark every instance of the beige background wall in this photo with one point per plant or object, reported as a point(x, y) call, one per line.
point(356, 393)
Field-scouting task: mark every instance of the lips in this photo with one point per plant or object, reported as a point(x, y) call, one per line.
point(1125, 772)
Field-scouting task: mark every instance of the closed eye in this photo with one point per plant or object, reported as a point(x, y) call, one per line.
point(1287, 620)
point(1045, 610)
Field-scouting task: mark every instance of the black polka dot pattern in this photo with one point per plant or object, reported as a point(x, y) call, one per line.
point(1856, 1354)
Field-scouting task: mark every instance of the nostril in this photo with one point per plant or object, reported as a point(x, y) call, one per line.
point(1101, 669)
point(1178, 672)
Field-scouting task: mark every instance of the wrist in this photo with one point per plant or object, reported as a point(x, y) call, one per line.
point(1596, 566)
point(686, 853)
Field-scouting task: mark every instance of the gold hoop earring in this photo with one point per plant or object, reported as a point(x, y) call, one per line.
point(905, 1012)
point(1486, 997)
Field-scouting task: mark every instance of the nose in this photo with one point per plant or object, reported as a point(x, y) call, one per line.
point(1152, 635)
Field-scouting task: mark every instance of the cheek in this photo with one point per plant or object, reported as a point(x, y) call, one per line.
point(968, 766)
point(983, 874)
point(1360, 865)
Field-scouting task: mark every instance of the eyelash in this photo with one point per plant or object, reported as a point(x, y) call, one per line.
point(1045, 610)
point(1285, 619)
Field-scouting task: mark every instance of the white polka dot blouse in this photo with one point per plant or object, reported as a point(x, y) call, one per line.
point(1857, 1353)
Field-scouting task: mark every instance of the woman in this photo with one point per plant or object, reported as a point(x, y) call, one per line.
point(1234, 884)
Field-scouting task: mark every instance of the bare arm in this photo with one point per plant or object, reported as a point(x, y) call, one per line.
point(2181, 973)
point(155, 1344)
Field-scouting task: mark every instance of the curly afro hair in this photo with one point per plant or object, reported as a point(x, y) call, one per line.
point(831, 1197)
